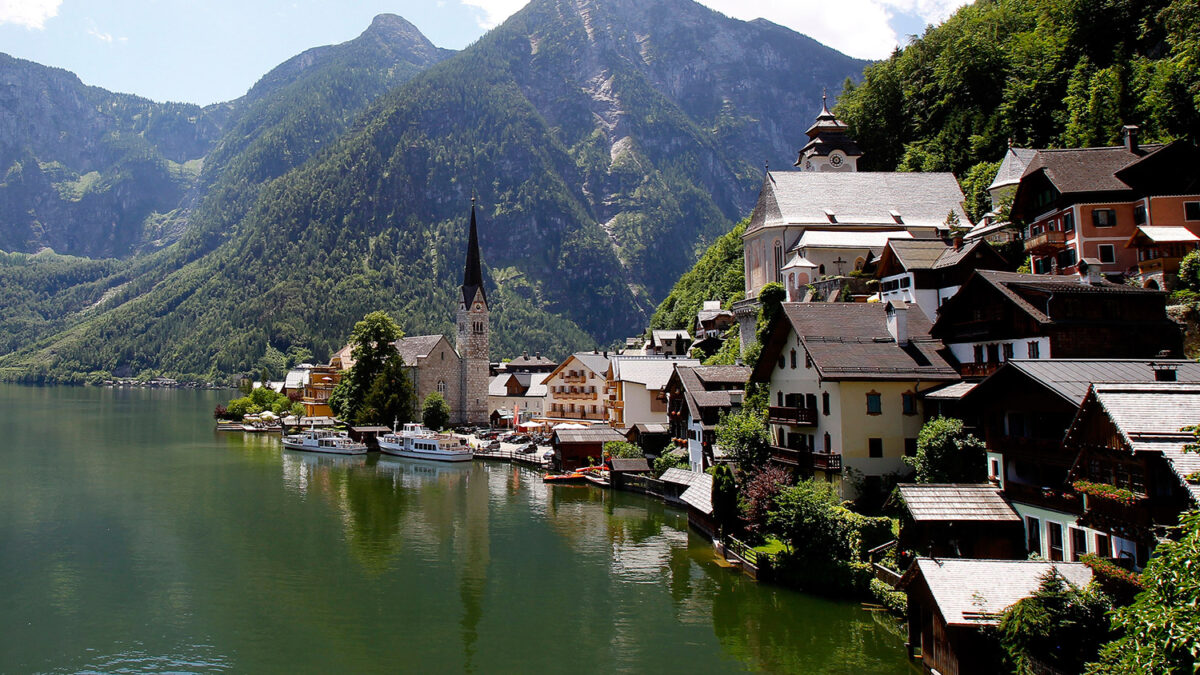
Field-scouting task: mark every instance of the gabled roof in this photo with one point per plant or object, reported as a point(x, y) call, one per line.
point(699, 494)
point(850, 341)
point(971, 592)
point(651, 371)
point(1076, 170)
point(697, 381)
point(633, 465)
point(1016, 160)
point(669, 335)
point(857, 198)
point(527, 361)
point(956, 502)
point(682, 476)
point(1071, 378)
point(710, 375)
point(417, 346)
point(593, 361)
point(590, 435)
point(498, 385)
point(1162, 234)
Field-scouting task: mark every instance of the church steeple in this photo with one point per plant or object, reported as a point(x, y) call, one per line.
point(828, 148)
point(473, 272)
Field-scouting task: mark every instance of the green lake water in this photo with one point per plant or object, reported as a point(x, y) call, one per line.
point(135, 538)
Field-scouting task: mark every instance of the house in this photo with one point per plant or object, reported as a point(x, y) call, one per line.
point(1160, 249)
point(316, 389)
point(959, 521)
point(1088, 202)
point(623, 471)
point(830, 219)
point(998, 316)
point(651, 438)
point(926, 272)
point(573, 448)
point(952, 601)
point(520, 391)
point(991, 226)
point(668, 343)
point(693, 490)
point(575, 386)
point(1132, 466)
point(696, 397)
point(844, 382)
point(1022, 412)
point(712, 321)
point(635, 389)
point(528, 364)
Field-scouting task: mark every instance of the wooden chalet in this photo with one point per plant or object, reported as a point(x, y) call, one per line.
point(959, 521)
point(952, 602)
point(573, 447)
point(1132, 468)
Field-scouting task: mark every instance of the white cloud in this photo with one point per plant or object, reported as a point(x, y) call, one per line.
point(861, 28)
point(28, 13)
point(103, 37)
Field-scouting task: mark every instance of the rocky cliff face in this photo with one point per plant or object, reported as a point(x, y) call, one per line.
point(608, 141)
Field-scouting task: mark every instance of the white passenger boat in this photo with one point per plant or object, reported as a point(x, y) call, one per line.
point(416, 442)
point(324, 440)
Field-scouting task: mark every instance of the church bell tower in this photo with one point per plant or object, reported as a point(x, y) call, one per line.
point(473, 332)
point(828, 148)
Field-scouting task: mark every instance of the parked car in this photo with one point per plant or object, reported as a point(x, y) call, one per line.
point(548, 455)
point(528, 449)
point(494, 445)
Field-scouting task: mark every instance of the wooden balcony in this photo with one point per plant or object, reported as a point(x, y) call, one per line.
point(1046, 242)
point(792, 415)
point(827, 461)
point(576, 395)
point(978, 369)
point(789, 456)
point(1063, 500)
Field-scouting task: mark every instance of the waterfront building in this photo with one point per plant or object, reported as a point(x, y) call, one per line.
point(635, 388)
point(574, 389)
point(999, 316)
point(573, 448)
point(522, 392)
point(953, 520)
point(696, 398)
point(844, 382)
point(952, 603)
point(926, 272)
point(1088, 203)
point(1023, 412)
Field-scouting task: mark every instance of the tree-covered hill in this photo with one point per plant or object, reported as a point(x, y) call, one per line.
point(1038, 73)
point(608, 142)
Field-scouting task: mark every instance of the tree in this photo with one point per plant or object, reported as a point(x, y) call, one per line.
point(1160, 631)
point(1060, 625)
point(391, 396)
point(668, 459)
point(435, 414)
point(759, 491)
point(1189, 271)
point(623, 450)
point(948, 454)
point(373, 346)
point(744, 435)
point(805, 519)
point(725, 498)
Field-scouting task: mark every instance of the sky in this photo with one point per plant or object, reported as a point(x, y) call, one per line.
point(214, 50)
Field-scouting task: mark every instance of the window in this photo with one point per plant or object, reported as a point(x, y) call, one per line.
point(1056, 540)
point(1191, 210)
point(1139, 214)
point(828, 443)
point(875, 447)
point(793, 359)
point(1078, 543)
point(808, 361)
point(825, 403)
point(978, 353)
point(782, 363)
point(1104, 217)
point(778, 262)
point(441, 387)
point(909, 403)
point(874, 403)
point(1008, 351)
point(1069, 221)
point(995, 469)
point(1033, 535)
point(910, 447)
point(1035, 349)
point(1108, 253)
point(993, 353)
point(810, 402)
point(779, 398)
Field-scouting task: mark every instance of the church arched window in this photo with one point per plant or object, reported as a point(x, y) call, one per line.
point(778, 262)
point(441, 387)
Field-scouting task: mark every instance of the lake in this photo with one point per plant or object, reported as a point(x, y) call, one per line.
point(135, 538)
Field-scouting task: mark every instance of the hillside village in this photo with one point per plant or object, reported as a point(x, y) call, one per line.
point(873, 309)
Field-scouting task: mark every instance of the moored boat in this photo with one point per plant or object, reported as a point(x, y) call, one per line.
point(416, 442)
point(324, 440)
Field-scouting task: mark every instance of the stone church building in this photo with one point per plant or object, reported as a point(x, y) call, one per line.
point(459, 372)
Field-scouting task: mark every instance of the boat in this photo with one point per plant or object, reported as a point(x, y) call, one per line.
point(416, 442)
point(566, 478)
point(324, 440)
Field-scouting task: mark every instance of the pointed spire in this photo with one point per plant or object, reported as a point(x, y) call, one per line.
point(473, 272)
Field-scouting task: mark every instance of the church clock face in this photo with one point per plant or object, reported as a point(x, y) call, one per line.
point(808, 166)
point(835, 160)
point(478, 306)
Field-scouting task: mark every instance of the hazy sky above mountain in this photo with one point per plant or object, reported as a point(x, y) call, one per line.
point(204, 52)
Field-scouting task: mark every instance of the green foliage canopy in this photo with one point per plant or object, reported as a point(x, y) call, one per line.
point(1060, 625)
point(946, 453)
point(435, 413)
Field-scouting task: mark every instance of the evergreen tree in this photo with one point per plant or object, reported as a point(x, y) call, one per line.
point(435, 414)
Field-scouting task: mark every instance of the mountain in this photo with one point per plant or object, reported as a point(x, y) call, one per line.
point(608, 142)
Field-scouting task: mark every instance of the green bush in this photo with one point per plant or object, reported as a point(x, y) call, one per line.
point(895, 601)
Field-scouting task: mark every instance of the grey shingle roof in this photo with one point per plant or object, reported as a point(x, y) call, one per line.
point(722, 374)
point(1013, 167)
point(1071, 378)
point(417, 346)
point(652, 428)
point(862, 198)
point(630, 465)
point(957, 502)
point(972, 592)
point(699, 493)
point(597, 363)
point(681, 476)
point(591, 435)
point(951, 392)
point(653, 372)
point(1078, 170)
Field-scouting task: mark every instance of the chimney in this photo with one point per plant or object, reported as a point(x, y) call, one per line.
point(958, 242)
point(1089, 272)
point(1164, 372)
point(1129, 134)
point(897, 321)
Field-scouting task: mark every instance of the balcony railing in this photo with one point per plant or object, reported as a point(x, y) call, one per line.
point(792, 415)
point(1046, 241)
point(576, 395)
point(1063, 500)
point(789, 456)
point(978, 369)
point(827, 461)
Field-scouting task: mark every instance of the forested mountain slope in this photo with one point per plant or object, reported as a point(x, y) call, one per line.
point(607, 141)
